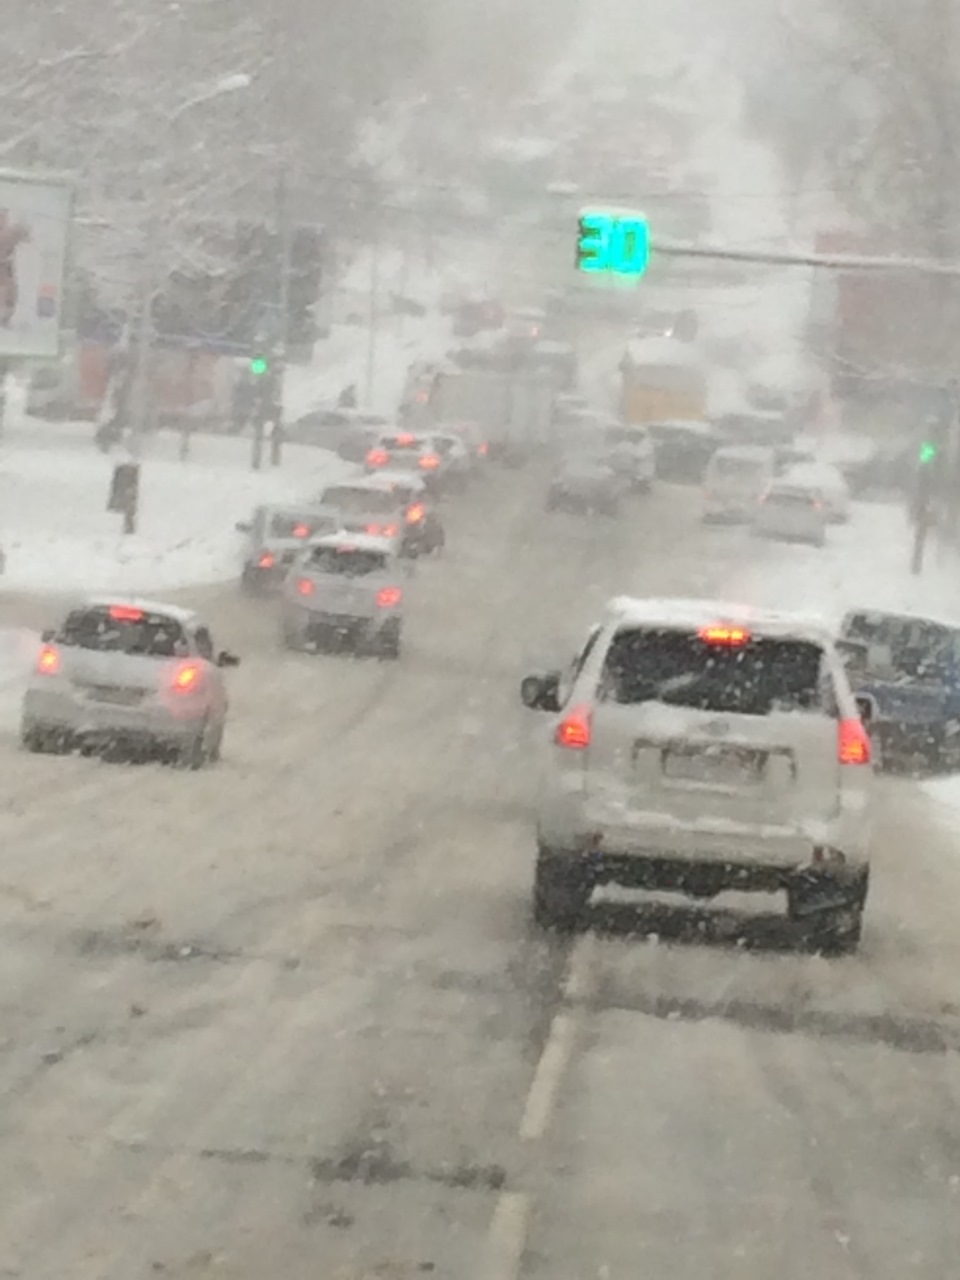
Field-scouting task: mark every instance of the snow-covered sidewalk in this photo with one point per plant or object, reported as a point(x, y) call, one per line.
point(59, 537)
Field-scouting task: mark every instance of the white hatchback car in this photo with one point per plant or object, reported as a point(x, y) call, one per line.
point(830, 483)
point(128, 675)
point(699, 747)
point(346, 588)
point(792, 512)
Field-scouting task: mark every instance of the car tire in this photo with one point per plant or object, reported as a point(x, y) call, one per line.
point(389, 642)
point(838, 933)
point(561, 892)
point(42, 740)
point(194, 753)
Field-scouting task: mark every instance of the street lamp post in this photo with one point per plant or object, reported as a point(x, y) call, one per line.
point(151, 283)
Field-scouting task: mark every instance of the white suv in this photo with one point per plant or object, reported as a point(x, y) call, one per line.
point(700, 747)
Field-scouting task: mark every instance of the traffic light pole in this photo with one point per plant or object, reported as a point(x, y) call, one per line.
point(279, 367)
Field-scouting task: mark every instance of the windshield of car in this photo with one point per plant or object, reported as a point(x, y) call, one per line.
point(124, 629)
point(361, 502)
point(348, 562)
point(679, 669)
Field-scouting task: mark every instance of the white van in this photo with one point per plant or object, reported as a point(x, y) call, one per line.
point(736, 478)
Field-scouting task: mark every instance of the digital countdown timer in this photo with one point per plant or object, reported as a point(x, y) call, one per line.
point(613, 242)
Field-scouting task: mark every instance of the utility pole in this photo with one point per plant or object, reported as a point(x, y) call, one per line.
point(373, 317)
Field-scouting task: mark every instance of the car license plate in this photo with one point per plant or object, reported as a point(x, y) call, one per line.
point(116, 696)
point(721, 766)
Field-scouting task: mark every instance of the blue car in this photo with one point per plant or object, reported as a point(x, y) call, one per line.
point(908, 668)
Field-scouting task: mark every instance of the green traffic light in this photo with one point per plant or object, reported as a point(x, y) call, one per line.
point(928, 451)
point(258, 366)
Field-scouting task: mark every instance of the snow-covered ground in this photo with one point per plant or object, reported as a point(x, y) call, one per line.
point(59, 537)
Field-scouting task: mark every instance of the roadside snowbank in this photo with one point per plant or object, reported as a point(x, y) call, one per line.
point(58, 536)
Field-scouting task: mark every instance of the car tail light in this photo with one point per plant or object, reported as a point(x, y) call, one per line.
point(48, 661)
point(732, 637)
point(483, 449)
point(390, 531)
point(853, 742)
point(387, 597)
point(267, 560)
point(575, 729)
point(429, 462)
point(377, 458)
point(126, 613)
point(415, 513)
point(406, 439)
point(301, 531)
point(186, 679)
point(372, 529)
point(304, 587)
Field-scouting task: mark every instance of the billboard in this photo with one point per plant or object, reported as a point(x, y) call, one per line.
point(35, 214)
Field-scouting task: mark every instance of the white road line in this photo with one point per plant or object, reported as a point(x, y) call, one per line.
point(547, 1078)
point(559, 1047)
point(507, 1237)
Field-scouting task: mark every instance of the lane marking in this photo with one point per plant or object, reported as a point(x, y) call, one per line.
point(507, 1237)
point(558, 1049)
point(546, 1081)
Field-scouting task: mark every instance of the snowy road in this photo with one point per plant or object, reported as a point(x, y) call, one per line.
point(288, 1018)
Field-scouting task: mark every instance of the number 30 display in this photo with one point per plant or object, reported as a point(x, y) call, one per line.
point(613, 242)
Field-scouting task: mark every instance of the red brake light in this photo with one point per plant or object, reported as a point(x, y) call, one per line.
point(267, 560)
point(126, 613)
point(372, 529)
point(187, 677)
point(405, 439)
point(301, 531)
point(429, 462)
point(304, 587)
point(730, 636)
point(390, 531)
point(377, 458)
point(48, 661)
point(853, 742)
point(387, 597)
point(483, 449)
point(575, 729)
point(415, 513)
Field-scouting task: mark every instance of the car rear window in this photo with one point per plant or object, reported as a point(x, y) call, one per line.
point(679, 669)
point(794, 498)
point(351, 562)
point(361, 502)
point(291, 525)
point(122, 629)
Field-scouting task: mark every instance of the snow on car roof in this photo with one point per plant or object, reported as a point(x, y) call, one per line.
point(365, 483)
point(183, 616)
point(684, 614)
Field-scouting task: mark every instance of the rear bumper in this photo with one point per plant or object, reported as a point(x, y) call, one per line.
point(315, 626)
point(81, 718)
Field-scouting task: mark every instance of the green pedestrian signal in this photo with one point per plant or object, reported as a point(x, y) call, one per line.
point(613, 242)
point(259, 366)
point(928, 452)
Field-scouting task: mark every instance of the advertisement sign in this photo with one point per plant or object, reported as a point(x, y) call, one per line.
point(35, 213)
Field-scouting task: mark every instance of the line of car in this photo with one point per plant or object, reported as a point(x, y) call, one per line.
point(131, 678)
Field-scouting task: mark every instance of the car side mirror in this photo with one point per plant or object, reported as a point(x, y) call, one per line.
point(865, 709)
point(225, 659)
point(243, 526)
point(541, 692)
point(47, 636)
